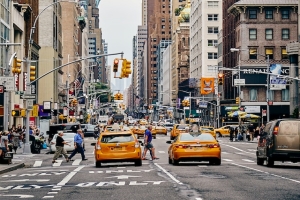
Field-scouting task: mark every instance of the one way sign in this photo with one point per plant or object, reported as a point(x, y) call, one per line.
point(27, 96)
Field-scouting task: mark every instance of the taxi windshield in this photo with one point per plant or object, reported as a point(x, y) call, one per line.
point(192, 137)
point(117, 138)
point(181, 126)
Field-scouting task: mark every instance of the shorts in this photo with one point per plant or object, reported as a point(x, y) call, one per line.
point(149, 146)
point(3, 149)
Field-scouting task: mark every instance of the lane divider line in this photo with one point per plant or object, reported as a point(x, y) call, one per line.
point(238, 149)
point(168, 174)
point(248, 160)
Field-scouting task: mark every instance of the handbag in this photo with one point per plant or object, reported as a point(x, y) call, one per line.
point(44, 146)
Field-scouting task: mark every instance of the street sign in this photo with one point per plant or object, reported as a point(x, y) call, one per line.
point(28, 96)
point(8, 82)
point(29, 104)
point(239, 82)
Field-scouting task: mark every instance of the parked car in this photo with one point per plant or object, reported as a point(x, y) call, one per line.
point(279, 142)
point(88, 130)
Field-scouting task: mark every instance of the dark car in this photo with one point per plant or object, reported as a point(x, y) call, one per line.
point(54, 128)
point(88, 129)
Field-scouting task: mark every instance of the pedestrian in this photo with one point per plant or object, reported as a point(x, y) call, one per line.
point(15, 140)
point(4, 143)
point(148, 144)
point(78, 140)
point(60, 142)
point(251, 131)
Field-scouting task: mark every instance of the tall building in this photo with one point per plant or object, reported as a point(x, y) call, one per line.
point(144, 12)
point(159, 28)
point(141, 38)
point(134, 69)
point(206, 22)
point(166, 90)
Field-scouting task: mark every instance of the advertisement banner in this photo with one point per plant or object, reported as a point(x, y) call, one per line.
point(207, 85)
point(276, 83)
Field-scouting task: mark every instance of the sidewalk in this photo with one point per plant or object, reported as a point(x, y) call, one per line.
point(11, 167)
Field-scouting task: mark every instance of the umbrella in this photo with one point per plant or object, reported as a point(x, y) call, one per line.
point(251, 116)
point(236, 114)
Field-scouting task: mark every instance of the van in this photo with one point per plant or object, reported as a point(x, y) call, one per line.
point(280, 141)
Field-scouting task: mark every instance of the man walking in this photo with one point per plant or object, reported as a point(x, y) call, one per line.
point(78, 140)
point(148, 144)
point(60, 142)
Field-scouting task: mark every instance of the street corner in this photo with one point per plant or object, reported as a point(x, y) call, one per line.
point(4, 168)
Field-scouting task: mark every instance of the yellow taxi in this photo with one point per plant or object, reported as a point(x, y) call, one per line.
point(208, 129)
point(143, 122)
point(177, 128)
point(160, 130)
point(119, 146)
point(140, 131)
point(194, 147)
point(224, 130)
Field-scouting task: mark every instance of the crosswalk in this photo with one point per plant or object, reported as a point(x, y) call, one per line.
point(39, 163)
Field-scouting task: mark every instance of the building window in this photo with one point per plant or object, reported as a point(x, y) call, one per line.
point(252, 34)
point(212, 43)
point(269, 51)
point(269, 34)
point(214, 30)
point(284, 54)
point(252, 14)
point(285, 95)
point(253, 94)
point(271, 95)
point(269, 14)
point(212, 17)
point(212, 4)
point(163, 26)
point(285, 14)
point(285, 34)
point(253, 53)
point(212, 56)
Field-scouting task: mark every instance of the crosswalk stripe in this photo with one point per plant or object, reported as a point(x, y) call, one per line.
point(57, 164)
point(161, 152)
point(37, 163)
point(227, 160)
point(247, 160)
point(76, 162)
point(224, 152)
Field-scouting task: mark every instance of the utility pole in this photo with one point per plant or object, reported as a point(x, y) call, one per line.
point(268, 88)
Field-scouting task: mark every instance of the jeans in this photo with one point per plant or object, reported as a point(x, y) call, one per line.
point(78, 149)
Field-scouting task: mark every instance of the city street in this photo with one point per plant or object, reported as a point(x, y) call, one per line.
point(238, 177)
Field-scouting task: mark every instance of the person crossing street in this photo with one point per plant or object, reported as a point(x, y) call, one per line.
point(148, 144)
point(78, 148)
point(60, 142)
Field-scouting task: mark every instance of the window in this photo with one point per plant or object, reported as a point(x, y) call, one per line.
point(285, 34)
point(269, 34)
point(285, 95)
point(252, 14)
point(253, 94)
point(269, 51)
point(252, 34)
point(214, 30)
point(212, 17)
point(253, 53)
point(212, 43)
point(271, 95)
point(212, 56)
point(284, 53)
point(285, 14)
point(269, 14)
point(212, 4)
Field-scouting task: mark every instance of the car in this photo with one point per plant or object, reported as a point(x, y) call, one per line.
point(160, 130)
point(169, 126)
point(54, 128)
point(68, 137)
point(177, 128)
point(224, 130)
point(208, 129)
point(119, 146)
point(88, 129)
point(140, 131)
point(279, 142)
point(194, 146)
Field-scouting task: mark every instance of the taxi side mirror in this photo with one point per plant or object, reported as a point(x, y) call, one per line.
point(169, 142)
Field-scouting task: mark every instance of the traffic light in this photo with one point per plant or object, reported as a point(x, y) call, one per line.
point(220, 79)
point(75, 102)
point(126, 68)
point(237, 100)
point(16, 68)
point(32, 73)
point(91, 106)
point(116, 65)
point(187, 103)
point(117, 96)
point(23, 113)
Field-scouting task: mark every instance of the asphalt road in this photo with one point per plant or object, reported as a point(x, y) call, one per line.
point(238, 177)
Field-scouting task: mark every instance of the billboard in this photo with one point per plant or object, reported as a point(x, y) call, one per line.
point(276, 83)
point(207, 85)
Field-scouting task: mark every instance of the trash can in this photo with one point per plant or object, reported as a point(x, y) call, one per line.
point(35, 145)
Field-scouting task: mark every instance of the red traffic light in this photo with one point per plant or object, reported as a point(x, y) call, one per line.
point(220, 75)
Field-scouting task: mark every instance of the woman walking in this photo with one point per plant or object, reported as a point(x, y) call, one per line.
point(60, 142)
point(15, 140)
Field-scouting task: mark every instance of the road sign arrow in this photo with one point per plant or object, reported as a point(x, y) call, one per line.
point(123, 177)
point(23, 180)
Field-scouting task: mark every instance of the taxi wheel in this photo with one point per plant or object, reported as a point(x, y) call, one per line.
point(215, 162)
point(98, 164)
point(170, 160)
point(175, 162)
point(138, 163)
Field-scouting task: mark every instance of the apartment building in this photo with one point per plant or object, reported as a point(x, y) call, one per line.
point(144, 12)
point(166, 89)
point(141, 38)
point(263, 30)
point(158, 28)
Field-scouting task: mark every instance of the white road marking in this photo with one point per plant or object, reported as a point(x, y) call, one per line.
point(121, 167)
point(69, 176)
point(48, 197)
point(247, 160)
point(123, 177)
point(170, 175)
point(21, 196)
point(57, 164)
point(161, 152)
point(289, 179)
point(23, 180)
point(202, 165)
point(52, 192)
point(251, 149)
point(199, 198)
point(241, 153)
point(227, 160)
point(76, 162)
point(37, 163)
point(224, 152)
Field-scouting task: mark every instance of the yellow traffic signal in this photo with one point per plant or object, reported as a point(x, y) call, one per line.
point(116, 65)
point(120, 96)
point(75, 102)
point(220, 79)
point(16, 68)
point(126, 68)
point(187, 102)
point(32, 73)
point(237, 100)
point(184, 103)
point(23, 113)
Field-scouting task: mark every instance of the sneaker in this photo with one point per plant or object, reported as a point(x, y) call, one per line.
point(84, 159)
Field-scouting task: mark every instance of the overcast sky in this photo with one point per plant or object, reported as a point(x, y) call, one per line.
point(119, 20)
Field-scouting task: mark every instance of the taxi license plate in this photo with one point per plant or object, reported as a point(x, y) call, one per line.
point(117, 148)
point(8, 155)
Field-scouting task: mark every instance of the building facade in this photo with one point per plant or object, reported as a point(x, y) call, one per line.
point(141, 38)
point(166, 90)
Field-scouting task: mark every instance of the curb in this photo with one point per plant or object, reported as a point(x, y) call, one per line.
point(12, 168)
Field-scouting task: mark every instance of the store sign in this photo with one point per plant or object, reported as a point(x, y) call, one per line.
point(252, 109)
